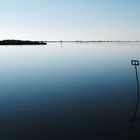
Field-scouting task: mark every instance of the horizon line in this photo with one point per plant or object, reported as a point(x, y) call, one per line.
point(93, 41)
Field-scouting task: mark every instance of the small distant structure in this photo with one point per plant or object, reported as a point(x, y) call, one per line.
point(135, 63)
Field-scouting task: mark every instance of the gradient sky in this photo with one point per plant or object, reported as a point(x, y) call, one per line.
point(70, 19)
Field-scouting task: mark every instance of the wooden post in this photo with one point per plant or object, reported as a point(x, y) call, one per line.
point(136, 63)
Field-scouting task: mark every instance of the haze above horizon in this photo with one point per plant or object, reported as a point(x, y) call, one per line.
point(70, 20)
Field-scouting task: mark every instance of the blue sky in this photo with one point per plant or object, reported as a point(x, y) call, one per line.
point(70, 19)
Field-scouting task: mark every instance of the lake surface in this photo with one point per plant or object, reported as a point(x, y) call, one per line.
point(68, 91)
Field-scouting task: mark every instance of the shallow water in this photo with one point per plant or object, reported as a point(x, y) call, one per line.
point(69, 92)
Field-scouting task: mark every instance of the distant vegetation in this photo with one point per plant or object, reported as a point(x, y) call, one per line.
point(21, 42)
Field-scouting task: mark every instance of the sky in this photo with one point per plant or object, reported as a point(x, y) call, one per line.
point(70, 19)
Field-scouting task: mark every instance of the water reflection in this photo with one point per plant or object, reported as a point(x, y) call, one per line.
point(80, 91)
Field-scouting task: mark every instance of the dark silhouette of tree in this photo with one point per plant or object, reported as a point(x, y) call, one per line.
point(21, 42)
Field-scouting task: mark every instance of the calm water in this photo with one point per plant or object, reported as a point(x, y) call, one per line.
point(69, 92)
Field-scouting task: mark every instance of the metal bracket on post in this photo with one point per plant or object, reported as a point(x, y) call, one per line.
point(135, 62)
point(135, 118)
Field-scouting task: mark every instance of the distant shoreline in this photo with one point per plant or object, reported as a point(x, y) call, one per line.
point(21, 42)
point(28, 42)
point(86, 41)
